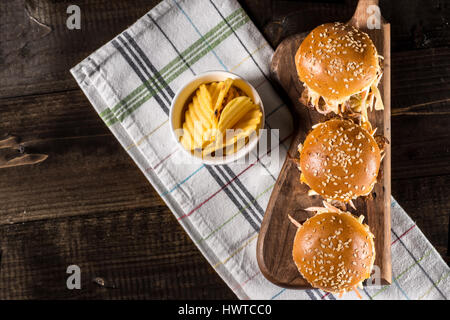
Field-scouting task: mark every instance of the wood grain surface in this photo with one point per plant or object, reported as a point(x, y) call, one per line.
point(89, 183)
point(289, 196)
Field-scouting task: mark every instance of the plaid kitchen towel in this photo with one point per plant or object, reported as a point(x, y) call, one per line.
point(131, 81)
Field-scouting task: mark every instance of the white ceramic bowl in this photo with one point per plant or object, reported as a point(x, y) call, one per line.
point(178, 107)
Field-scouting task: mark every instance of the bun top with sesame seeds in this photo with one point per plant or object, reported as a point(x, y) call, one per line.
point(337, 60)
point(333, 250)
point(340, 69)
point(340, 160)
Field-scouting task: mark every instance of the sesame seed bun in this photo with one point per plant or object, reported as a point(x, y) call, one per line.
point(337, 60)
point(340, 160)
point(334, 251)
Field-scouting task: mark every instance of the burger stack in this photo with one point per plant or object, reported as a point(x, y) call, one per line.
point(340, 158)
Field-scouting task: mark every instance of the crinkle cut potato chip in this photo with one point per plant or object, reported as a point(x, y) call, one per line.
point(219, 119)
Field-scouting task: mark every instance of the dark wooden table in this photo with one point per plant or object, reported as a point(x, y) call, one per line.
point(88, 204)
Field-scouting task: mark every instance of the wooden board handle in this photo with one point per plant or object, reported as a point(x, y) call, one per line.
point(363, 12)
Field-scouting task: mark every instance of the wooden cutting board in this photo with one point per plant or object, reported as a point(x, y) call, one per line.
point(289, 196)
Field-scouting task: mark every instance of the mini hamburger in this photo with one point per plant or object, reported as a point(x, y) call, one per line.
point(339, 160)
point(333, 250)
point(339, 67)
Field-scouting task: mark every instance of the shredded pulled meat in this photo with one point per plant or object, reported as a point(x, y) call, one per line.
point(355, 106)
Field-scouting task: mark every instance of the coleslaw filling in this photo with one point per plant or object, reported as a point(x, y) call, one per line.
point(358, 103)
